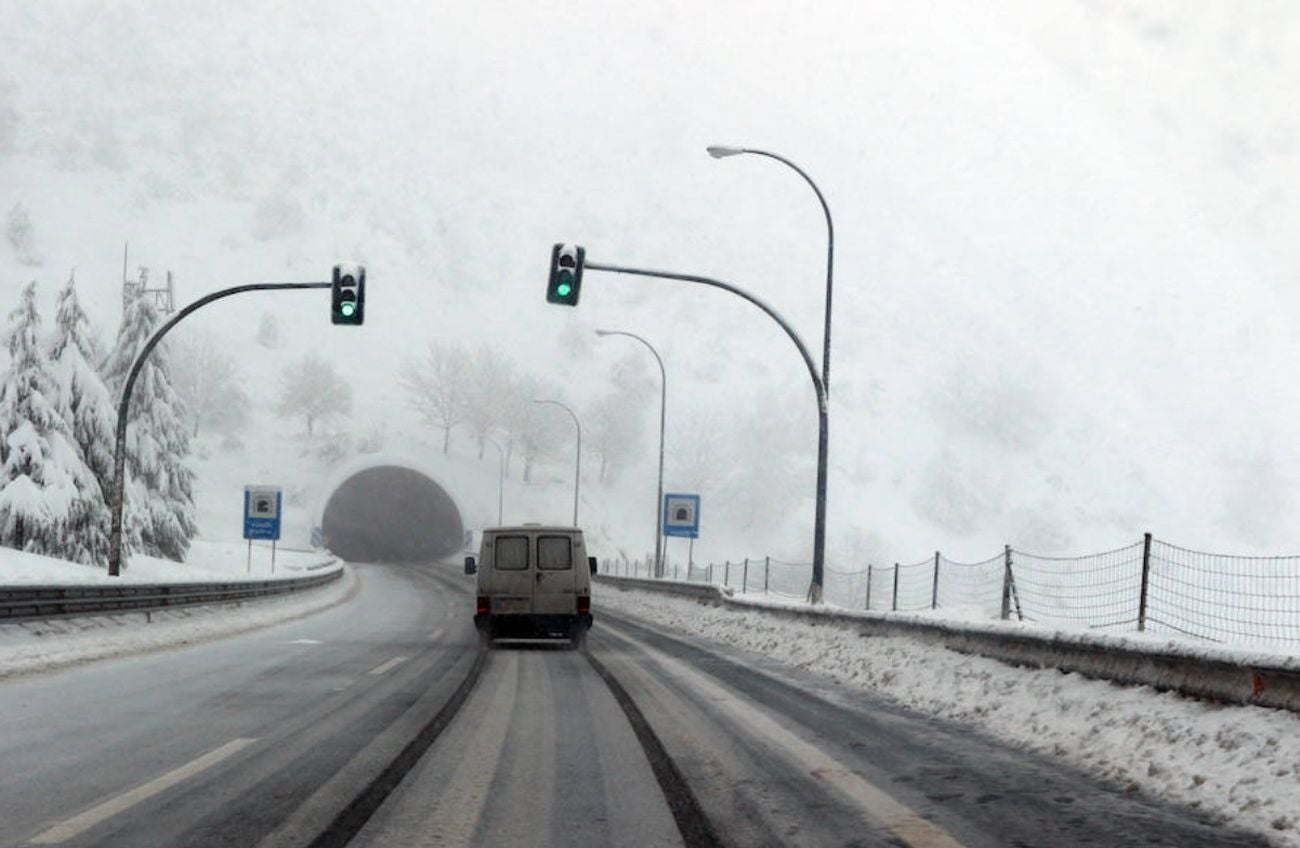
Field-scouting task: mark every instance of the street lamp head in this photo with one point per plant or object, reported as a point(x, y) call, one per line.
point(604, 332)
point(720, 151)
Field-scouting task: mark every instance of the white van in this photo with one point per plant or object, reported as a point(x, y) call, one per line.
point(533, 582)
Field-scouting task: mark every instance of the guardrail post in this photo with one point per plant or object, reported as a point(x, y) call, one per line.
point(710, 579)
point(1146, 579)
point(744, 580)
point(868, 606)
point(894, 606)
point(934, 592)
point(726, 575)
point(767, 566)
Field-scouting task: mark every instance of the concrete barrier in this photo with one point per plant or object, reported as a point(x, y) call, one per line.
point(1230, 677)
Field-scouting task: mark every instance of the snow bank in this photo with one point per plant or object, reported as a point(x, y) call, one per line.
point(207, 562)
point(31, 647)
point(1241, 764)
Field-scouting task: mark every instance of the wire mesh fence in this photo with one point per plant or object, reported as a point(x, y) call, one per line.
point(1098, 590)
point(1149, 585)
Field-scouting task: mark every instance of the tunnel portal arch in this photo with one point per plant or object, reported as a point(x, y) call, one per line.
point(389, 511)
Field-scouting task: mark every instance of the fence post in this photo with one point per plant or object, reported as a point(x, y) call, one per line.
point(1146, 579)
point(726, 575)
point(1006, 583)
point(894, 607)
point(767, 566)
point(710, 574)
point(868, 606)
point(744, 579)
point(934, 592)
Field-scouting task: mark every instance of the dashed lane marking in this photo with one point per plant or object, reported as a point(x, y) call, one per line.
point(393, 663)
point(79, 824)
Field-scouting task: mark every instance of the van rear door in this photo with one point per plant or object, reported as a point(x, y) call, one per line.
point(512, 577)
point(553, 593)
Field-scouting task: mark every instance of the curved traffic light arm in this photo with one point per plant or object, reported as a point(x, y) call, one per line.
point(823, 437)
point(124, 405)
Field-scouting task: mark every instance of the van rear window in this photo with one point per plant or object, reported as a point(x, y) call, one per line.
point(554, 553)
point(511, 553)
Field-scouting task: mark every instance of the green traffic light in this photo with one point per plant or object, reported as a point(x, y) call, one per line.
point(347, 309)
point(563, 289)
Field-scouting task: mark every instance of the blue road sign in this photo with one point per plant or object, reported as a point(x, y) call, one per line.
point(262, 512)
point(682, 515)
point(317, 537)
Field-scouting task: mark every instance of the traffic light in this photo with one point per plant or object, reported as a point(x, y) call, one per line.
point(348, 295)
point(566, 274)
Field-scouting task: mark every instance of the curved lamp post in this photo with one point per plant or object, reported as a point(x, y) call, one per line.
point(663, 406)
point(577, 454)
point(721, 152)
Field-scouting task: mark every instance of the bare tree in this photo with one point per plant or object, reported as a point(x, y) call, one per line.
point(438, 388)
point(268, 331)
point(535, 430)
point(490, 382)
point(22, 236)
point(696, 462)
point(205, 376)
point(313, 389)
point(615, 424)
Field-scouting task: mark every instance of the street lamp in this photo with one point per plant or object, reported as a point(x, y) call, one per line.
point(718, 151)
point(501, 478)
point(577, 455)
point(663, 406)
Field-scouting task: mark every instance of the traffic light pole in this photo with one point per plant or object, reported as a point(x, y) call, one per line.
point(124, 405)
point(823, 439)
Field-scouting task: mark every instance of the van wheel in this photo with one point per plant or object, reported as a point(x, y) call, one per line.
point(485, 638)
point(578, 640)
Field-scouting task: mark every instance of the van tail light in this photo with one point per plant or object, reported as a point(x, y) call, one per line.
point(584, 605)
point(483, 606)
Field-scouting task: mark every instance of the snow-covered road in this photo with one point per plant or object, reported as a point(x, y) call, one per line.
point(1239, 764)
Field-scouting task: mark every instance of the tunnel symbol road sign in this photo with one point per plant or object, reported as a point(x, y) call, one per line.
point(682, 515)
point(262, 512)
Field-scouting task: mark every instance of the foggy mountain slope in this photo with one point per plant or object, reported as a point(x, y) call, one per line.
point(1061, 316)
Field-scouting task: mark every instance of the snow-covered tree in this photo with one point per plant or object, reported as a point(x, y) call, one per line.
point(437, 387)
point(37, 487)
point(311, 388)
point(159, 512)
point(209, 383)
point(83, 402)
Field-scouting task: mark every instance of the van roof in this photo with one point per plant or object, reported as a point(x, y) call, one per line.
point(532, 528)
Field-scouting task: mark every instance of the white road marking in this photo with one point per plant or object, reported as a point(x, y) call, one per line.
point(437, 634)
point(395, 661)
point(904, 822)
point(79, 824)
point(305, 642)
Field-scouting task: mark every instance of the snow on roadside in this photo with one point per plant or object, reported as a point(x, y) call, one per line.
point(1240, 764)
point(31, 647)
point(207, 562)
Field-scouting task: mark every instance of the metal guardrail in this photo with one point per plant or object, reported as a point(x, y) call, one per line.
point(26, 602)
point(1269, 682)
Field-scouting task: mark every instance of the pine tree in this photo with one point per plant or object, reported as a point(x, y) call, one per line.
point(158, 518)
point(83, 402)
point(36, 489)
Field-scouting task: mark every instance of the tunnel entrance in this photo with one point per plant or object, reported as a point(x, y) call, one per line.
point(391, 514)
